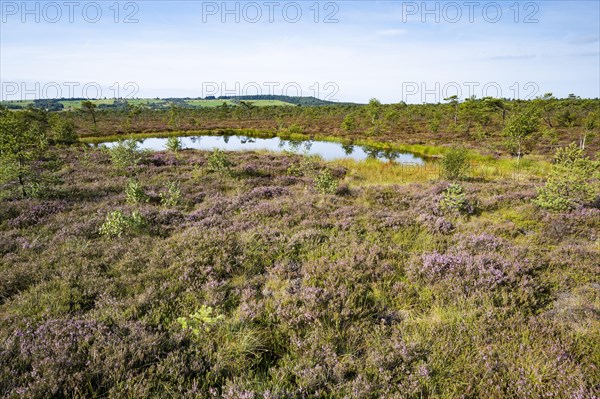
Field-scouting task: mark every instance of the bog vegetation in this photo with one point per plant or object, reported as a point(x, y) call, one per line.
point(492, 126)
point(180, 273)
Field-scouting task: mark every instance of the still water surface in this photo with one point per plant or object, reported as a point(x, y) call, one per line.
point(327, 150)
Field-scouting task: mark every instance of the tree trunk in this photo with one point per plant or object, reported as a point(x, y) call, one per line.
point(21, 182)
point(582, 141)
point(22, 186)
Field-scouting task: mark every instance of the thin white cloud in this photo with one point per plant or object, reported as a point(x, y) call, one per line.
point(589, 39)
point(391, 32)
point(511, 57)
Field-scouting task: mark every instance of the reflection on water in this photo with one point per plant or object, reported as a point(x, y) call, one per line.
point(325, 149)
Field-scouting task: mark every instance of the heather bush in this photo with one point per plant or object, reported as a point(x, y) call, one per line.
point(37, 213)
point(382, 293)
point(435, 224)
point(484, 267)
point(76, 358)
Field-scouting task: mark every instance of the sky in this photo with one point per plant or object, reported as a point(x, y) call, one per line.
point(336, 50)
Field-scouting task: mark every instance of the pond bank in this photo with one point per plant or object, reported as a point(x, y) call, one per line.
point(416, 149)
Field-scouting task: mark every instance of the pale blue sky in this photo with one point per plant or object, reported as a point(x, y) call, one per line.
point(391, 50)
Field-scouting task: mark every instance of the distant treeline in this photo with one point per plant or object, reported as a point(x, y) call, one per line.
point(160, 103)
point(479, 123)
point(303, 101)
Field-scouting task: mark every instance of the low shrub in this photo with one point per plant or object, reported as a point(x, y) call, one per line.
point(171, 197)
point(117, 224)
point(305, 167)
point(126, 154)
point(295, 129)
point(173, 144)
point(454, 164)
point(218, 162)
point(200, 320)
point(134, 193)
point(325, 183)
point(454, 200)
point(571, 182)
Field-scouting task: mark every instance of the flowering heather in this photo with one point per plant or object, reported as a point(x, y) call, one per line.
point(373, 291)
point(36, 212)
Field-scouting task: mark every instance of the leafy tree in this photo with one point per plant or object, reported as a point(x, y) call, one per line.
point(349, 122)
point(455, 163)
point(48, 104)
point(133, 114)
point(567, 118)
point(546, 104)
point(454, 101)
point(90, 107)
point(295, 128)
point(519, 129)
point(435, 122)
point(200, 321)
point(22, 142)
point(175, 116)
point(471, 111)
point(492, 103)
point(374, 112)
point(218, 162)
point(62, 129)
point(591, 125)
point(247, 104)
